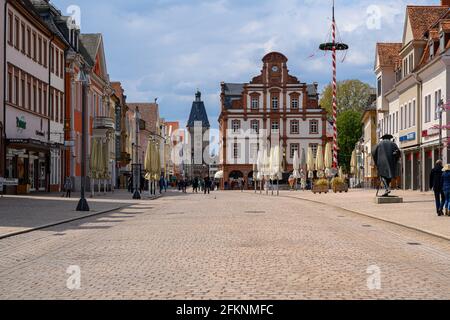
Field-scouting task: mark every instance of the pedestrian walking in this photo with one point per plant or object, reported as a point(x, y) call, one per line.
point(195, 185)
point(446, 189)
point(68, 187)
point(162, 184)
point(207, 185)
point(436, 186)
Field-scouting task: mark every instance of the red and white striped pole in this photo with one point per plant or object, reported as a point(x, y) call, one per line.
point(335, 142)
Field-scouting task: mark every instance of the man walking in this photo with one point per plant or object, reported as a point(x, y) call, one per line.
point(436, 186)
point(68, 186)
point(386, 156)
point(207, 185)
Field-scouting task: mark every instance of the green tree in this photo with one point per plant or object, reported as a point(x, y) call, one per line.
point(351, 95)
point(349, 132)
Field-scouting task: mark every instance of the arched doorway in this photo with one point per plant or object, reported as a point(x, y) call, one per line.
point(233, 179)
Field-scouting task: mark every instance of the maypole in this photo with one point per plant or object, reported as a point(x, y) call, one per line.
point(334, 46)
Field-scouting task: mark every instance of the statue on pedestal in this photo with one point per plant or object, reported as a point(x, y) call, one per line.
point(386, 156)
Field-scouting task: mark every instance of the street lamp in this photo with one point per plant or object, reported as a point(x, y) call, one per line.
point(84, 79)
point(136, 166)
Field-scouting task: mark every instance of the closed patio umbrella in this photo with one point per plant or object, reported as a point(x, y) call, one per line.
point(328, 160)
point(320, 165)
point(276, 166)
point(296, 165)
point(353, 163)
point(310, 162)
point(94, 155)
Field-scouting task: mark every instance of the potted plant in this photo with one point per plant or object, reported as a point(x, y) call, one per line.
point(320, 186)
point(338, 185)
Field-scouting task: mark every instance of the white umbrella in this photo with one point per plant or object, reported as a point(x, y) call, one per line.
point(259, 165)
point(296, 165)
point(218, 175)
point(320, 166)
point(353, 163)
point(310, 163)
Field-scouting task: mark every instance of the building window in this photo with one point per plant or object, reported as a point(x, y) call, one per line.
point(409, 115)
point(254, 147)
point(10, 28)
point(255, 103)
point(313, 147)
point(379, 86)
point(275, 126)
point(414, 113)
point(294, 149)
point(45, 100)
point(61, 60)
point(427, 108)
point(236, 150)
point(17, 33)
point(34, 96)
point(294, 103)
point(34, 46)
point(57, 62)
point(254, 124)
point(274, 103)
point(16, 89)
point(23, 37)
point(40, 50)
point(61, 105)
point(45, 53)
point(29, 93)
point(396, 122)
point(313, 127)
point(40, 98)
point(29, 42)
point(236, 126)
point(52, 58)
point(22, 91)
point(294, 127)
point(437, 100)
point(10, 86)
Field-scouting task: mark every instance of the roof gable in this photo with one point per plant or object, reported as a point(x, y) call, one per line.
point(93, 44)
point(419, 19)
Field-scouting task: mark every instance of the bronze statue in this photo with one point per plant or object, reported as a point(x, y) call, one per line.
point(386, 156)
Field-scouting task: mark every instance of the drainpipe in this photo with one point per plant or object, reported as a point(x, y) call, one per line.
point(3, 131)
point(48, 105)
point(418, 112)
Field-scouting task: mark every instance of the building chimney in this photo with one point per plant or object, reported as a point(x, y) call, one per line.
point(445, 3)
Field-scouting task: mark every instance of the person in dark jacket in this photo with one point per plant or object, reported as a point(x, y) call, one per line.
point(436, 186)
point(446, 188)
point(207, 185)
point(386, 156)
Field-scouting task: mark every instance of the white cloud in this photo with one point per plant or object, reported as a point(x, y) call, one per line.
point(169, 48)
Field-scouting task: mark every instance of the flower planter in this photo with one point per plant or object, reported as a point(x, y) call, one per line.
point(339, 188)
point(320, 189)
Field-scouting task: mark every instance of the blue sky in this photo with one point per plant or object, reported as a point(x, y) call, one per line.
point(169, 48)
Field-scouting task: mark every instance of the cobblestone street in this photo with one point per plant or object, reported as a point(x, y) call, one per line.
point(225, 246)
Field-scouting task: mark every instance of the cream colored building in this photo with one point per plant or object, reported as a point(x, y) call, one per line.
point(412, 79)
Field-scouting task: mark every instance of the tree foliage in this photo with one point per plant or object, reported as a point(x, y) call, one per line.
point(349, 132)
point(351, 95)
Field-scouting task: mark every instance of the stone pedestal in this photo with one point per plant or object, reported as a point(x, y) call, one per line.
point(388, 200)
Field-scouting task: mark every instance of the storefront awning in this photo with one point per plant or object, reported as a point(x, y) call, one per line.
point(31, 144)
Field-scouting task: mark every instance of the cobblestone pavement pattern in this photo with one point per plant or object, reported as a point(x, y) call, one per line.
point(225, 246)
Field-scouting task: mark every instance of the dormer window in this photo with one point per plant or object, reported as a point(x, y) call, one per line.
point(442, 41)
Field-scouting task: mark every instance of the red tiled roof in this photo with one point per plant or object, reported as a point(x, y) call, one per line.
point(422, 18)
point(388, 53)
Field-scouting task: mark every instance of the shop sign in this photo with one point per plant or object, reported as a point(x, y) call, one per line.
point(8, 182)
point(409, 137)
point(21, 124)
point(69, 143)
point(430, 132)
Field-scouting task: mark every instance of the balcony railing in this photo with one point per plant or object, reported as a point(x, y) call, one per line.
point(104, 123)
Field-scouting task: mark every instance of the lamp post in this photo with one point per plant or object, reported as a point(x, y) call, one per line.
point(84, 79)
point(137, 168)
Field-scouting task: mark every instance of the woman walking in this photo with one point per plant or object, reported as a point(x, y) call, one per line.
point(446, 188)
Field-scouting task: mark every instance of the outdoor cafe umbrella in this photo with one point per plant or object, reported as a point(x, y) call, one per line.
point(353, 163)
point(320, 165)
point(296, 165)
point(266, 169)
point(310, 164)
point(276, 166)
point(328, 159)
point(94, 154)
point(303, 160)
point(218, 175)
point(259, 165)
point(148, 161)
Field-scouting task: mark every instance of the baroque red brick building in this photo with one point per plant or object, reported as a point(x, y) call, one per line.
point(273, 107)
